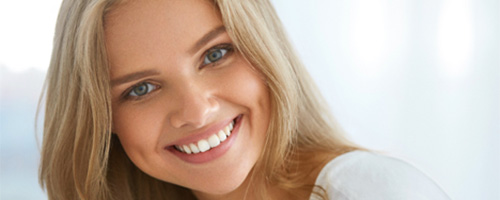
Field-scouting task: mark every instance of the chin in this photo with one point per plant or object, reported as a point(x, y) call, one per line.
point(225, 186)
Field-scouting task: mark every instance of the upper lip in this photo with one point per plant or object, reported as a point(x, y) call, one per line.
point(202, 134)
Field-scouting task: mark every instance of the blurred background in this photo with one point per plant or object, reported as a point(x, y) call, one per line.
point(418, 79)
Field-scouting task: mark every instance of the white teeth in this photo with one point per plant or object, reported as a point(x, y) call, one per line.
point(227, 131)
point(206, 144)
point(203, 145)
point(178, 148)
point(186, 149)
point(213, 140)
point(222, 136)
point(194, 148)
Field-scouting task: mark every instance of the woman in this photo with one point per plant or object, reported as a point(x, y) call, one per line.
point(192, 99)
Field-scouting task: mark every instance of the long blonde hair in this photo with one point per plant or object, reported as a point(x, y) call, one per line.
point(81, 159)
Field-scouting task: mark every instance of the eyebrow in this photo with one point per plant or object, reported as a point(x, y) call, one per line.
point(141, 74)
point(207, 37)
point(133, 76)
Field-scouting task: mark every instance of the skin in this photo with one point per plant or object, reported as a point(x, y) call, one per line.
point(187, 96)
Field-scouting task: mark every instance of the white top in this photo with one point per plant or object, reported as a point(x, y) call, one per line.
point(362, 175)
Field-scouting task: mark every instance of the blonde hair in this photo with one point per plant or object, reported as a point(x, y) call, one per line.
point(81, 159)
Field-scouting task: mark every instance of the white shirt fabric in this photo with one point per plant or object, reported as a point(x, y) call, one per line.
point(362, 175)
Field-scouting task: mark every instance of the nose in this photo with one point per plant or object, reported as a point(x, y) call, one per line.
point(195, 106)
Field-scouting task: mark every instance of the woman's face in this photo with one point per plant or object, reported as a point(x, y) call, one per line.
point(179, 89)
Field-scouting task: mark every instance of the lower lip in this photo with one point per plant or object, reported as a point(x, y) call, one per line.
point(213, 153)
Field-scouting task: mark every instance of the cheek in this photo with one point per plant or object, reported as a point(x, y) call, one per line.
point(136, 130)
point(248, 86)
point(136, 118)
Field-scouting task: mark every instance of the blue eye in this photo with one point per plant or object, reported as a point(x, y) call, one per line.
point(141, 89)
point(214, 55)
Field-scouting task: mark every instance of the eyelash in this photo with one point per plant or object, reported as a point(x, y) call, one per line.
point(228, 48)
point(128, 96)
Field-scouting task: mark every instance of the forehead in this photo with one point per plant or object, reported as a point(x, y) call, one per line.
point(141, 30)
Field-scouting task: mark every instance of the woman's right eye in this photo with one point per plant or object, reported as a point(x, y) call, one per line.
point(141, 89)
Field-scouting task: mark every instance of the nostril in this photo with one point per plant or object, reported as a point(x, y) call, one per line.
point(192, 106)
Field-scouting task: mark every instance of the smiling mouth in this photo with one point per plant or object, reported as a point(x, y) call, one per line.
point(208, 143)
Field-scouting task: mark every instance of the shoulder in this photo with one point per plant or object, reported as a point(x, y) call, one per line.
point(361, 175)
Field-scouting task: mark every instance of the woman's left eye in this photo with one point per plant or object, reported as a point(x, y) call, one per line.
point(215, 54)
point(141, 89)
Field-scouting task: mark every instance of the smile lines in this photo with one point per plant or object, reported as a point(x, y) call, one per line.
point(206, 144)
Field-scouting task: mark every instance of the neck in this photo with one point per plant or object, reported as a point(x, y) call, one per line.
point(244, 191)
point(246, 194)
point(308, 173)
